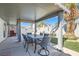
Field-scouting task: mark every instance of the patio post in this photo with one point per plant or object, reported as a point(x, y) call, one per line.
point(34, 28)
point(18, 30)
point(35, 14)
point(60, 36)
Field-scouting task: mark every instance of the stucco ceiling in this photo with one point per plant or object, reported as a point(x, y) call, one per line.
point(28, 11)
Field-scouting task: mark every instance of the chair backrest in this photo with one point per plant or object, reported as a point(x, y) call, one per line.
point(46, 35)
point(29, 33)
point(45, 41)
point(24, 36)
point(41, 33)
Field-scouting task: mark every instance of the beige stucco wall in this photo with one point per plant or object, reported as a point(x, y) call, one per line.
point(1, 30)
point(77, 31)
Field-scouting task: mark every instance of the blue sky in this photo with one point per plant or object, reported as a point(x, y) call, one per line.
point(25, 24)
point(52, 20)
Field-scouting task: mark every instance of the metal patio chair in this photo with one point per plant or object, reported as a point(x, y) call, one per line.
point(27, 41)
point(43, 44)
point(41, 33)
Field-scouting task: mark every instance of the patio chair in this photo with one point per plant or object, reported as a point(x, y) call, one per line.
point(27, 41)
point(41, 33)
point(44, 44)
point(29, 33)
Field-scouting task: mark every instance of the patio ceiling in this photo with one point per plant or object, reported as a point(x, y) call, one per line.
point(30, 12)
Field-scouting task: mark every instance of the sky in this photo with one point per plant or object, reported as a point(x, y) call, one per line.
point(24, 24)
point(52, 20)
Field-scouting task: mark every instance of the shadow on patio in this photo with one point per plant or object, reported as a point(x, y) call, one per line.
point(11, 47)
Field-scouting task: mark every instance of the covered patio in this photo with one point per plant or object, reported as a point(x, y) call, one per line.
point(11, 47)
point(14, 14)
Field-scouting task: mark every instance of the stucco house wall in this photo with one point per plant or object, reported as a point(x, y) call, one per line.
point(2, 30)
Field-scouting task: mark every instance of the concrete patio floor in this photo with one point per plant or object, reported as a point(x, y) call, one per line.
point(11, 47)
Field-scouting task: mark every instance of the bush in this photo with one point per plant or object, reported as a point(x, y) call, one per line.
point(54, 40)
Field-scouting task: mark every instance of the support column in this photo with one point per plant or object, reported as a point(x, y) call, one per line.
point(18, 30)
point(60, 36)
point(34, 28)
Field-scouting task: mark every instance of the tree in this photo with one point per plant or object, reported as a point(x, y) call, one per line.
point(70, 19)
point(41, 24)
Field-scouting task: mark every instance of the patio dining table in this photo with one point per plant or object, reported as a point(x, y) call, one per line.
point(36, 37)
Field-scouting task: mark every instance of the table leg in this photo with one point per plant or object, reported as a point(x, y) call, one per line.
point(35, 46)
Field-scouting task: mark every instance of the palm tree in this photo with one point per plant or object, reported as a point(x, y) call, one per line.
point(70, 19)
point(40, 24)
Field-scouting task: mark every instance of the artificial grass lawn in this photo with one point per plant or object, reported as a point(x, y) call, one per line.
point(70, 44)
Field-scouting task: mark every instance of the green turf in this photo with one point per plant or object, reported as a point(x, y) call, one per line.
point(73, 45)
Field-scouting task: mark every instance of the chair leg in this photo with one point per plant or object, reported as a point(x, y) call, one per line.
point(35, 47)
point(27, 47)
point(46, 51)
point(24, 44)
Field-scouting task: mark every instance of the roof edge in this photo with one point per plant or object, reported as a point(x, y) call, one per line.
point(63, 7)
